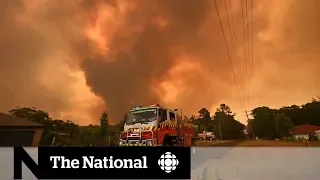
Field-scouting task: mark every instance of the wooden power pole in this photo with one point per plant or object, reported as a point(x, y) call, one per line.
point(254, 137)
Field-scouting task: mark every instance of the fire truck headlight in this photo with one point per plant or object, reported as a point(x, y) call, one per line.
point(149, 143)
point(120, 143)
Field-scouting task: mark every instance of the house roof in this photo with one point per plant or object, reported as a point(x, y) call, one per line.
point(7, 120)
point(305, 129)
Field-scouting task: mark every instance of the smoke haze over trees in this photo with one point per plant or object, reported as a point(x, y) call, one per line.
point(270, 123)
point(267, 124)
point(76, 58)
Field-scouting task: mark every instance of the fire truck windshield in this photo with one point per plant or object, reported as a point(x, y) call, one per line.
point(142, 116)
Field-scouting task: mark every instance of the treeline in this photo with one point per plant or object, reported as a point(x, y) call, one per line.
point(270, 123)
point(67, 133)
point(223, 123)
point(266, 123)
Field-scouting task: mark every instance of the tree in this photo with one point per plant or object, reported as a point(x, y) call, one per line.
point(204, 120)
point(250, 129)
point(31, 114)
point(103, 124)
point(294, 112)
point(204, 113)
point(202, 128)
point(225, 118)
point(39, 116)
point(66, 132)
point(193, 119)
point(263, 124)
point(308, 113)
point(226, 110)
point(283, 125)
point(87, 135)
point(311, 112)
point(186, 119)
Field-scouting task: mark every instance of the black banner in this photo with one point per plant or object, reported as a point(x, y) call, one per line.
point(106, 163)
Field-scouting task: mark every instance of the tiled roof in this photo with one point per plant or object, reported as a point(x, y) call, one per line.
point(7, 120)
point(305, 129)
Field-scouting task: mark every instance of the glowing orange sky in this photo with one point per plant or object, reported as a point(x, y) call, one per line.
point(76, 58)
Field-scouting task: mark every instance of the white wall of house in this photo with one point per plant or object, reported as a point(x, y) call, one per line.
point(300, 136)
point(318, 134)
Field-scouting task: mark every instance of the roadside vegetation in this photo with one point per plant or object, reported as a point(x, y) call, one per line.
point(266, 123)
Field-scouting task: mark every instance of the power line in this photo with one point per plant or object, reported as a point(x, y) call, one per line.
point(251, 51)
point(248, 53)
point(250, 63)
point(234, 40)
point(225, 41)
point(245, 45)
point(250, 124)
point(247, 60)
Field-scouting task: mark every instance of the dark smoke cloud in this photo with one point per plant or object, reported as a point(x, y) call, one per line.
point(42, 44)
point(127, 80)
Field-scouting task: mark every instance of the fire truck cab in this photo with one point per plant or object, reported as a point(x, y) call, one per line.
point(156, 126)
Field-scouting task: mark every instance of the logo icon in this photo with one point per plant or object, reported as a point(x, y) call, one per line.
point(168, 162)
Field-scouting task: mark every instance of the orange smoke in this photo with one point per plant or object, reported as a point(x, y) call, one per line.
point(77, 58)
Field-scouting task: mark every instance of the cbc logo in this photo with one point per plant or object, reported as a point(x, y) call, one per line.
point(168, 162)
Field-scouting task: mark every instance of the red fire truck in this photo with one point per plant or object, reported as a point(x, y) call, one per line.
point(156, 126)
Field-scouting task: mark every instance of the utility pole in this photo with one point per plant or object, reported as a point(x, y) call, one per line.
point(54, 138)
point(53, 141)
point(220, 132)
point(254, 137)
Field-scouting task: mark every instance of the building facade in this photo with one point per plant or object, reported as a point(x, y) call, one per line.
point(19, 132)
point(304, 131)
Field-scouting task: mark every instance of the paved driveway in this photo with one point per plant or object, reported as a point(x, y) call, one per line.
point(256, 163)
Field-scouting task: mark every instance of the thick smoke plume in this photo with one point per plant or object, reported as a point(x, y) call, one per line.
point(75, 58)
